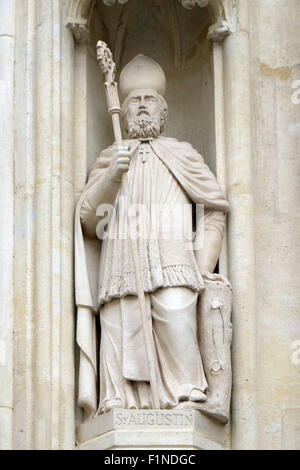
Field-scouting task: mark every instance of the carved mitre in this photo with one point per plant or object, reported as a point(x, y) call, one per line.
point(142, 73)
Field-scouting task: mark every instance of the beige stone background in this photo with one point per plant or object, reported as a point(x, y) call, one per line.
point(232, 97)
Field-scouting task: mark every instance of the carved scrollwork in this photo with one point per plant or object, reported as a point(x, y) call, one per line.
point(105, 59)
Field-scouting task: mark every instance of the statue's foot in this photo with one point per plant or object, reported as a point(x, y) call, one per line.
point(109, 405)
point(197, 396)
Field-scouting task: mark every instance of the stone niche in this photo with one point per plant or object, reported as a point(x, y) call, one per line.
point(177, 39)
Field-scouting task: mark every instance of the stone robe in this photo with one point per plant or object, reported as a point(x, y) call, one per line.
point(163, 172)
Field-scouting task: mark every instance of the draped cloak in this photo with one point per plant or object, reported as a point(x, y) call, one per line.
point(188, 168)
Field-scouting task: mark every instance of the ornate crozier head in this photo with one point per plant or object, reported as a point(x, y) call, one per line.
point(144, 109)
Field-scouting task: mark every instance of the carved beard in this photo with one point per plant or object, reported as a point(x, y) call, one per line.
point(143, 127)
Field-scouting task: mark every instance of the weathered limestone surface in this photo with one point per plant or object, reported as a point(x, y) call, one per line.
point(241, 247)
point(151, 429)
point(45, 153)
point(275, 68)
point(7, 48)
point(43, 225)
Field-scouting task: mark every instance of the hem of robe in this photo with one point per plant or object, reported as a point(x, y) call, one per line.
point(167, 276)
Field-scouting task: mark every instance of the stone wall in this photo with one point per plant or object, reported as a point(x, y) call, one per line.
point(275, 66)
point(48, 137)
point(7, 46)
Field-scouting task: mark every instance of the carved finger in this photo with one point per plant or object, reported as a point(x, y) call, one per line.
point(123, 149)
point(124, 167)
point(123, 160)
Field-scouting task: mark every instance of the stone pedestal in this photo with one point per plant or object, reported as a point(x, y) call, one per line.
point(151, 429)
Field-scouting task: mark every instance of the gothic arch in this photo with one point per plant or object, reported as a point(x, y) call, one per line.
point(78, 14)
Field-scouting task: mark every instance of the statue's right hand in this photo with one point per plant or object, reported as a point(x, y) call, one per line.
point(119, 163)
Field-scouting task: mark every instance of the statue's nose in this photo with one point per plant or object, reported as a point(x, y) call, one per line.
point(142, 108)
point(143, 104)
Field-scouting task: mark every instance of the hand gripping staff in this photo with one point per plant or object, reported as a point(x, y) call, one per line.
point(108, 69)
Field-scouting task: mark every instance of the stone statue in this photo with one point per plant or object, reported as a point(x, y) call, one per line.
point(188, 306)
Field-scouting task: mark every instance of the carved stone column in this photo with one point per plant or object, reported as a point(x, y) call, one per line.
point(217, 33)
point(44, 208)
point(7, 55)
point(241, 245)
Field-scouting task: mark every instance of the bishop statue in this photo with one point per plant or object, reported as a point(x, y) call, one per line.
point(167, 180)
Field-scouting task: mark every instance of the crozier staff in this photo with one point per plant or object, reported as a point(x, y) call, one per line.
point(119, 167)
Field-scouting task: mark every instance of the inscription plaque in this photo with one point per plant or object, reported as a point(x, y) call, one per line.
point(153, 418)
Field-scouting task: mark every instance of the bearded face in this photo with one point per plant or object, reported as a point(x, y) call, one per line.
point(144, 114)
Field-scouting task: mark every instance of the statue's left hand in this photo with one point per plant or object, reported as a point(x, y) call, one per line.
point(214, 277)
